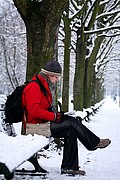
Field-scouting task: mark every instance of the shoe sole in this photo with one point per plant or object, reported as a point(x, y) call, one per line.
point(83, 173)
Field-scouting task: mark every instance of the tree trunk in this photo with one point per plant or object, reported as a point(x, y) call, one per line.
point(66, 71)
point(42, 21)
point(89, 78)
point(79, 71)
point(99, 90)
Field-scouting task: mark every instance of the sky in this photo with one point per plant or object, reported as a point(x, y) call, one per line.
point(101, 164)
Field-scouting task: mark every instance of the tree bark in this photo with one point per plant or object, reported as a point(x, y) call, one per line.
point(79, 70)
point(42, 21)
point(89, 84)
point(66, 70)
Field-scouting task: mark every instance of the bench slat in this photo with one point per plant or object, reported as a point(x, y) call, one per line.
point(16, 150)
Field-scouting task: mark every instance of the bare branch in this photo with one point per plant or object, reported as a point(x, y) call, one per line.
point(102, 29)
point(107, 14)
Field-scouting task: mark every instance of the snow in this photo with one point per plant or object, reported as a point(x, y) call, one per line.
point(101, 164)
point(24, 146)
point(102, 29)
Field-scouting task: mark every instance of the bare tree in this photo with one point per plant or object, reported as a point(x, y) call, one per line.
point(13, 46)
point(98, 18)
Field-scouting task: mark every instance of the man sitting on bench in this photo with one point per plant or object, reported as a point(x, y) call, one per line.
point(42, 118)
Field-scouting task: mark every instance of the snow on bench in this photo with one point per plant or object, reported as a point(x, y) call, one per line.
point(86, 112)
point(14, 151)
point(81, 114)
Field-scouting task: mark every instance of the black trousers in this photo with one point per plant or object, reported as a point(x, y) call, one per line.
point(72, 129)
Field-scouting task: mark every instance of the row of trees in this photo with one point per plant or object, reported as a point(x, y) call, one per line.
point(83, 33)
point(95, 25)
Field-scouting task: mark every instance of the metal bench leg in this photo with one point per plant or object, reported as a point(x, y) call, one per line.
point(36, 165)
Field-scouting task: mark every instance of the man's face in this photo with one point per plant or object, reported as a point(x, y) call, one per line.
point(53, 78)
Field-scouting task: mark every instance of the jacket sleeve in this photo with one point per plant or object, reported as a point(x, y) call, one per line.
point(36, 103)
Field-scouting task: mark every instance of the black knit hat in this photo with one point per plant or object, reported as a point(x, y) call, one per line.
point(52, 68)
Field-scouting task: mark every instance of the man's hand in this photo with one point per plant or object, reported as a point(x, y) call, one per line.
point(59, 117)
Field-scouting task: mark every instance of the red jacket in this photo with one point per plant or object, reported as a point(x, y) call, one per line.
point(36, 103)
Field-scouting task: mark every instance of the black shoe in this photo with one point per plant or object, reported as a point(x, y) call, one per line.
point(40, 169)
point(73, 172)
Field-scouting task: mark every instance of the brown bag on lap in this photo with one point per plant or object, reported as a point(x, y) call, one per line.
point(40, 129)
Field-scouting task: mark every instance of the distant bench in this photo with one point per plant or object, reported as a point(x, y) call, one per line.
point(86, 113)
point(92, 110)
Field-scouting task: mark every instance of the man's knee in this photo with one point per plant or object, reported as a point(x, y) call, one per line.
point(71, 132)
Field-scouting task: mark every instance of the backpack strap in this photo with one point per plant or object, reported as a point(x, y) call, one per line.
point(42, 87)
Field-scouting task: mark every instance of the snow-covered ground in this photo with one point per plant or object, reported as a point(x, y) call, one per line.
point(102, 164)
